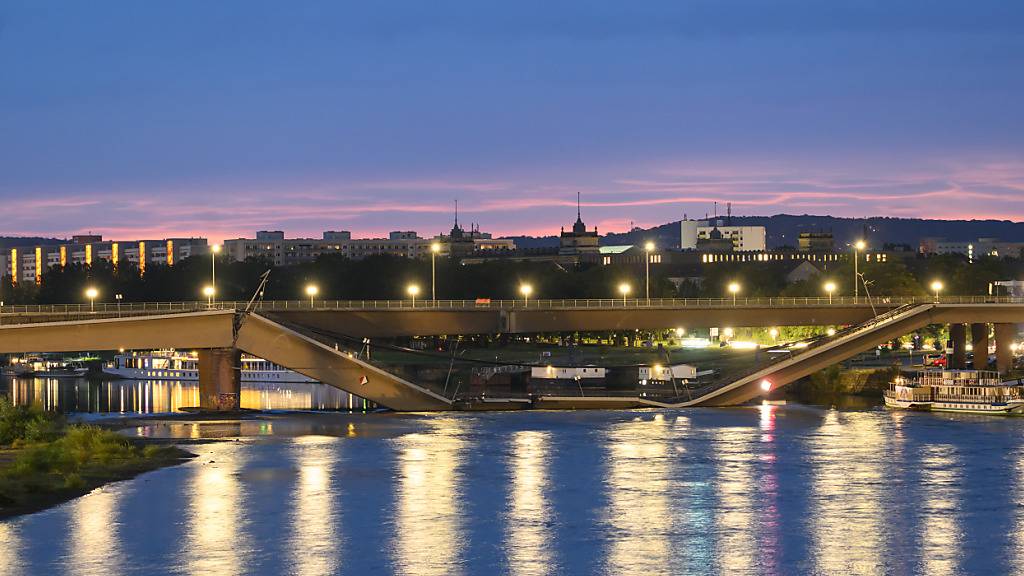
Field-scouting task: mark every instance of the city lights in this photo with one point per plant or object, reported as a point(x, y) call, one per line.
point(413, 290)
point(734, 288)
point(624, 289)
point(209, 291)
point(774, 333)
point(936, 287)
point(830, 287)
point(312, 290)
point(680, 332)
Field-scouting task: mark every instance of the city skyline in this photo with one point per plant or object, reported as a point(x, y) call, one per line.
point(147, 121)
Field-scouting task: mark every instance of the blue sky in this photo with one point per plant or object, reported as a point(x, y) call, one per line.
point(146, 119)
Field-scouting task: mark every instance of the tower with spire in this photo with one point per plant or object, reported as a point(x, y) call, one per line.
point(579, 240)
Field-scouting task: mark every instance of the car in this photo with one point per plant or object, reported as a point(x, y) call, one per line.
point(938, 360)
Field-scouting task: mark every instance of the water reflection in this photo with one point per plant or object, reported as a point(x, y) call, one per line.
point(736, 545)
point(528, 519)
point(214, 532)
point(11, 559)
point(428, 521)
point(315, 544)
point(637, 485)
point(95, 546)
point(159, 396)
point(848, 488)
point(940, 533)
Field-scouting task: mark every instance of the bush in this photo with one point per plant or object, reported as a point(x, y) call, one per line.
point(27, 424)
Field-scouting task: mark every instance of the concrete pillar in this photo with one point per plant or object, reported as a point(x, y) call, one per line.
point(1004, 356)
point(958, 334)
point(220, 378)
point(979, 342)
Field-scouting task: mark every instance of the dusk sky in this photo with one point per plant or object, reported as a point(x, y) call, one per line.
point(153, 119)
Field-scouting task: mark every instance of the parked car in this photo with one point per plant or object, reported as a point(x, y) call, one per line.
point(937, 360)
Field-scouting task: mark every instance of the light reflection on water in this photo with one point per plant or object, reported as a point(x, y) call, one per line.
point(766, 490)
point(529, 514)
point(162, 396)
point(429, 536)
point(94, 548)
point(315, 541)
point(847, 489)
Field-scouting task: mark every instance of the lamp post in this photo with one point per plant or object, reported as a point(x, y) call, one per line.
point(413, 290)
point(648, 248)
point(214, 250)
point(312, 291)
point(91, 293)
point(734, 288)
point(118, 297)
point(830, 287)
point(936, 287)
point(435, 248)
point(209, 292)
point(857, 247)
point(526, 290)
point(774, 333)
point(624, 289)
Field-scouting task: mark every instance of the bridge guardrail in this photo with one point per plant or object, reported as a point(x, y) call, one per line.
point(135, 308)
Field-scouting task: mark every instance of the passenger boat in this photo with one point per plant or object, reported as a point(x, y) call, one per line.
point(62, 370)
point(970, 391)
point(184, 366)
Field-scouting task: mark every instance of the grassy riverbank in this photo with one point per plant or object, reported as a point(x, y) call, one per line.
point(45, 461)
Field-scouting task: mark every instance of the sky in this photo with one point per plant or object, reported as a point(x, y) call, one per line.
point(194, 118)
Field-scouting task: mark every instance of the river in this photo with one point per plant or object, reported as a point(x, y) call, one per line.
point(755, 490)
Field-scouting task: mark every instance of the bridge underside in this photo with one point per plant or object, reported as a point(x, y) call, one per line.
point(270, 339)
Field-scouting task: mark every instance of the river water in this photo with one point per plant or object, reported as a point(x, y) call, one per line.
point(759, 490)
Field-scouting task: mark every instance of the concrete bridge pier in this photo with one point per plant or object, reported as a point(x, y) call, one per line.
point(979, 343)
point(220, 379)
point(1004, 356)
point(958, 334)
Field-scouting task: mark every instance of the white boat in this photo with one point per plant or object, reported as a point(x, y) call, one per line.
point(62, 370)
point(184, 366)
point(969, 391)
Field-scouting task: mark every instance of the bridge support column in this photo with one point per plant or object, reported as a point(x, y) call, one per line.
point(958, 334)
point(1004, 356)
point(220, 378)
point(979, 343)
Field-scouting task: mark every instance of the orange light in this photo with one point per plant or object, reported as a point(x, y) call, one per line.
point(766, 385)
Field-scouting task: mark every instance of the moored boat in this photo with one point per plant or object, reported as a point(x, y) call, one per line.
point(968, 391)
point(184, 366)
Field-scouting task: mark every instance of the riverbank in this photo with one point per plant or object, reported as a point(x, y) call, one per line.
point(44, 461)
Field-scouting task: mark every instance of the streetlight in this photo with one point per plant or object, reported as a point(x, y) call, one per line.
point(118, 297)
point(648, 248)
point(734, 288)
point(413, 290)
point(526, 290)
point(936, 287)
point(312, 291)
point(830, 287)
point(209, 292)
point(624, 289)
point(857, 247)
point(91, 293)
point(214, 250)
point(680, 332)
point(435, 248)
point(774, 333)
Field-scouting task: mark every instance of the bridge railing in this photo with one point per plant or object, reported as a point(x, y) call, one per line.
point(135, 308)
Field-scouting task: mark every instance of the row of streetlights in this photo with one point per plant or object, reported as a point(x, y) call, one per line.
point(413, 290)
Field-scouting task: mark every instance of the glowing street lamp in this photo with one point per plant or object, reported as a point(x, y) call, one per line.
point(830, 287)
point(435, 249)
point(413, 290)
point(734, 289)
point(774, 333)
point(214, 250)
point(858, 247)
point(680, 332)
point(91, 293)
point(526, 290)
point(648, 248)
point(830, 332)
point(936, 287)
point(624, 289)
point(209, 292)
point(312, 290)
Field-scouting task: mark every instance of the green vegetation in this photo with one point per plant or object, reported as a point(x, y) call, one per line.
point(44, 461)
point(386, 277)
